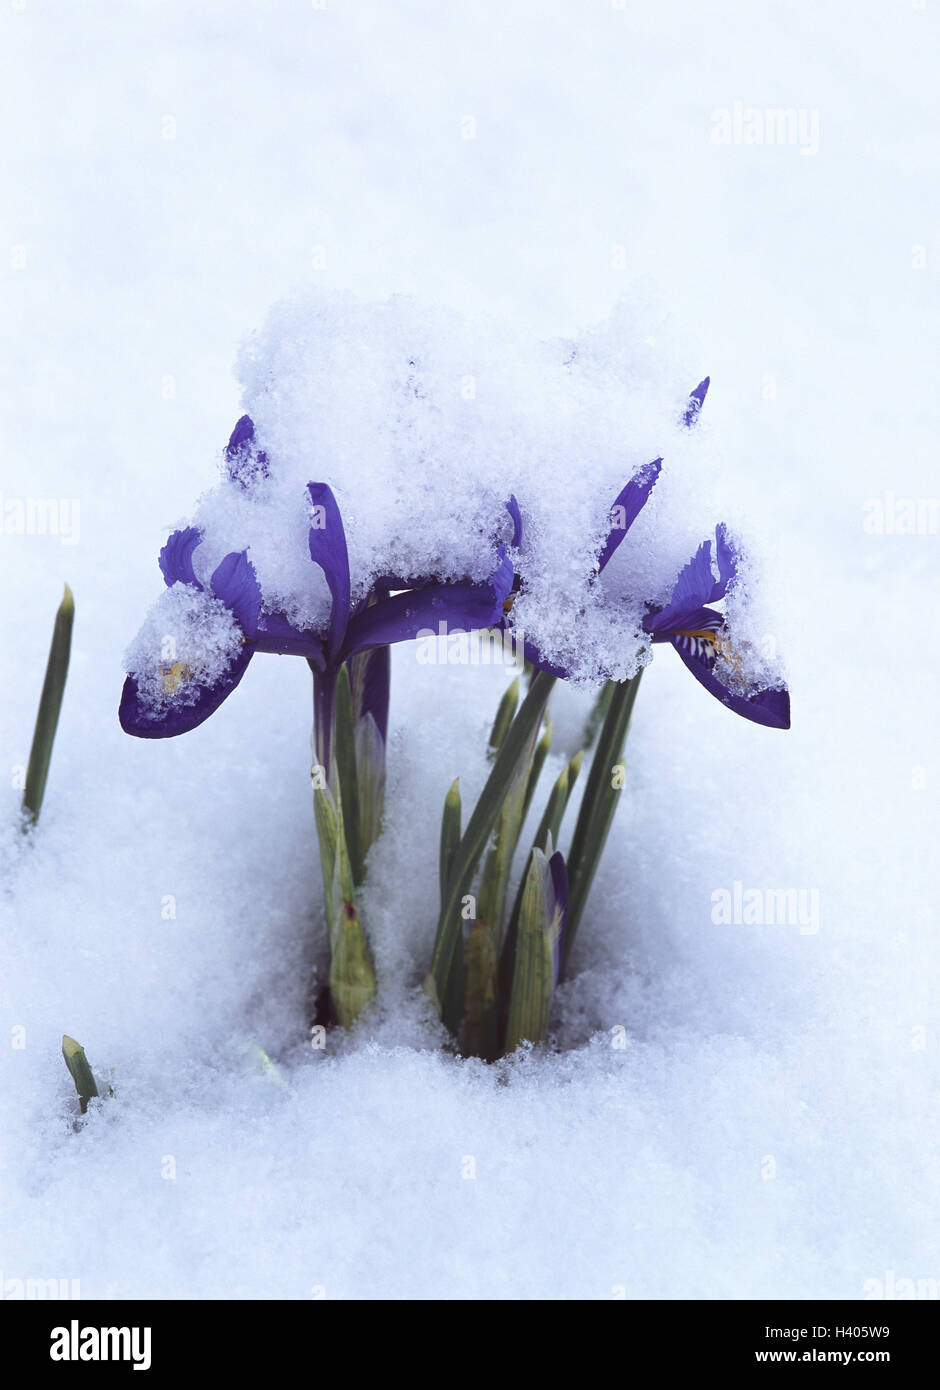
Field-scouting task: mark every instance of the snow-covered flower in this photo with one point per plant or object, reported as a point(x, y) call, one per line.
point(700, 636)
point(198, 643)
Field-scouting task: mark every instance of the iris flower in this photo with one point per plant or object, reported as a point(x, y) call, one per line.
point(384, 617)
point(353, 629)
point(698, 633)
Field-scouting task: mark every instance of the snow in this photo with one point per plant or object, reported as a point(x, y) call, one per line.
point(187, 643)
point(731, 1109)
point(424, 421)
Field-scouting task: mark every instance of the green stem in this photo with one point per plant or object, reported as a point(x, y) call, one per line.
point(347, 774)
point(549, 826)
point(473, 842)
point(598, 806)
point(352, 971)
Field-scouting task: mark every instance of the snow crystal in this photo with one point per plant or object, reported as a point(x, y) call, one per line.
point(188, 641)
point(424, 422)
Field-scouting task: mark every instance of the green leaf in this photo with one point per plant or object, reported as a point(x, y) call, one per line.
point(266, 1068)
point(450, 834)
point(599, 804)
point(540, 921)
point(365, 669)
point(598, 712)
point(504, 715)
point(538, 762)
point(451, 1007)
point(473, 842)
point(370, 764)
point(498, 863)
point(557, 804)
point(348, 776)
point(50, 702)
point(548, 830)
point(352, 972)
point(479, 1006)
point(80, 1071)
point(481, 1024)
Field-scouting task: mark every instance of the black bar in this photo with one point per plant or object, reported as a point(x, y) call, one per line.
point(258, 1337)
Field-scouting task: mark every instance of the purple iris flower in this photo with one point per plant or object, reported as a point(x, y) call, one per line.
point(463, 605)
point(234, 583)
point(353, 630)
point(627, 506)
point(697, 632)
point(699, 635)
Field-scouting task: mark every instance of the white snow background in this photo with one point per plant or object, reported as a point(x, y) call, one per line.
point(770, 1127)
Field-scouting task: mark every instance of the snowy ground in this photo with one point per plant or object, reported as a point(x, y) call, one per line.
point(770, 1127)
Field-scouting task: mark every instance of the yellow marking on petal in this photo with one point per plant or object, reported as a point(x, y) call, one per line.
point(174, 676)
point(723, 647)
point(508, 603)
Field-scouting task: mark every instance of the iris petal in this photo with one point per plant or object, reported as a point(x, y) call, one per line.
point(462, 607)
point(512, 507)
point(176, 557)
point(327, 540)
point(373, 694)
point(627, 506)
point(178, 717)
point(245, 462)
point(235, 583)
point(726, 559)
point(768, 707)
point(276, 634)
point(693, 588)
point(696, 401)
point(694, 620)
point(534, 658)
point(696, 585)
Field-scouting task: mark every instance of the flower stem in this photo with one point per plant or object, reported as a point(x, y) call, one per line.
point(599, 804)
point(515, 748)
point(352, 972)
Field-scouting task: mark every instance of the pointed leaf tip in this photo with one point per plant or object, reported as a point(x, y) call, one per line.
point(504, 715)
point(79, 1070)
